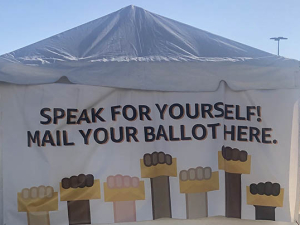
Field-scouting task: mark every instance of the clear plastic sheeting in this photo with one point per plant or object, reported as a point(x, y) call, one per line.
point(136, 49)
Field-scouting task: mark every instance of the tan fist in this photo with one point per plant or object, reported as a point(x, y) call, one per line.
point(37, 202)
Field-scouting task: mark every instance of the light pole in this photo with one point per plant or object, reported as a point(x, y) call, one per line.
point(278, 40)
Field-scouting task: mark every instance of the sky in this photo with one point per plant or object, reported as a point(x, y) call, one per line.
point(251, 22)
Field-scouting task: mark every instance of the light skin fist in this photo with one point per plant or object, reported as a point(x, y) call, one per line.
point(120, 181)
point(38, 192)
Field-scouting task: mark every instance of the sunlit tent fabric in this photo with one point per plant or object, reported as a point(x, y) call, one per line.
point(134, 48)
point(135, 117)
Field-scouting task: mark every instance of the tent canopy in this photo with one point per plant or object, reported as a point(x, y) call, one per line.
point(136, 49)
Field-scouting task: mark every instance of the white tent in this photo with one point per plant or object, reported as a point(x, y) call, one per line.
point(133, 48)
point(142, 60)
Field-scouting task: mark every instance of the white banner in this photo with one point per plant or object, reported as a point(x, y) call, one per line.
point(75, 154)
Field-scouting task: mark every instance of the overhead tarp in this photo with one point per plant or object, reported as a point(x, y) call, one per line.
point(136, 49)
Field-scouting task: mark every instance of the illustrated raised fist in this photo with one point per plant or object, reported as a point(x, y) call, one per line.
point(265, 189)
point(234, 154)
point(120, 181)
point(80, 181)
point(195, 183)
point(192, 174)
point(37, 202)
point(234, 162)
point(157, 158)
point(77, 191)
point(123, 191)
point(159, 166)
point(265, 197)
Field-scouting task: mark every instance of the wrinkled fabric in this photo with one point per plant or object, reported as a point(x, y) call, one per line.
point(136, 49)
point(175, 125)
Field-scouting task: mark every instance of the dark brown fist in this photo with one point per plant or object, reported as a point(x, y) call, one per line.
point(234, 154)
point(265, 189)
point(157, 158)
point(80, 181)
